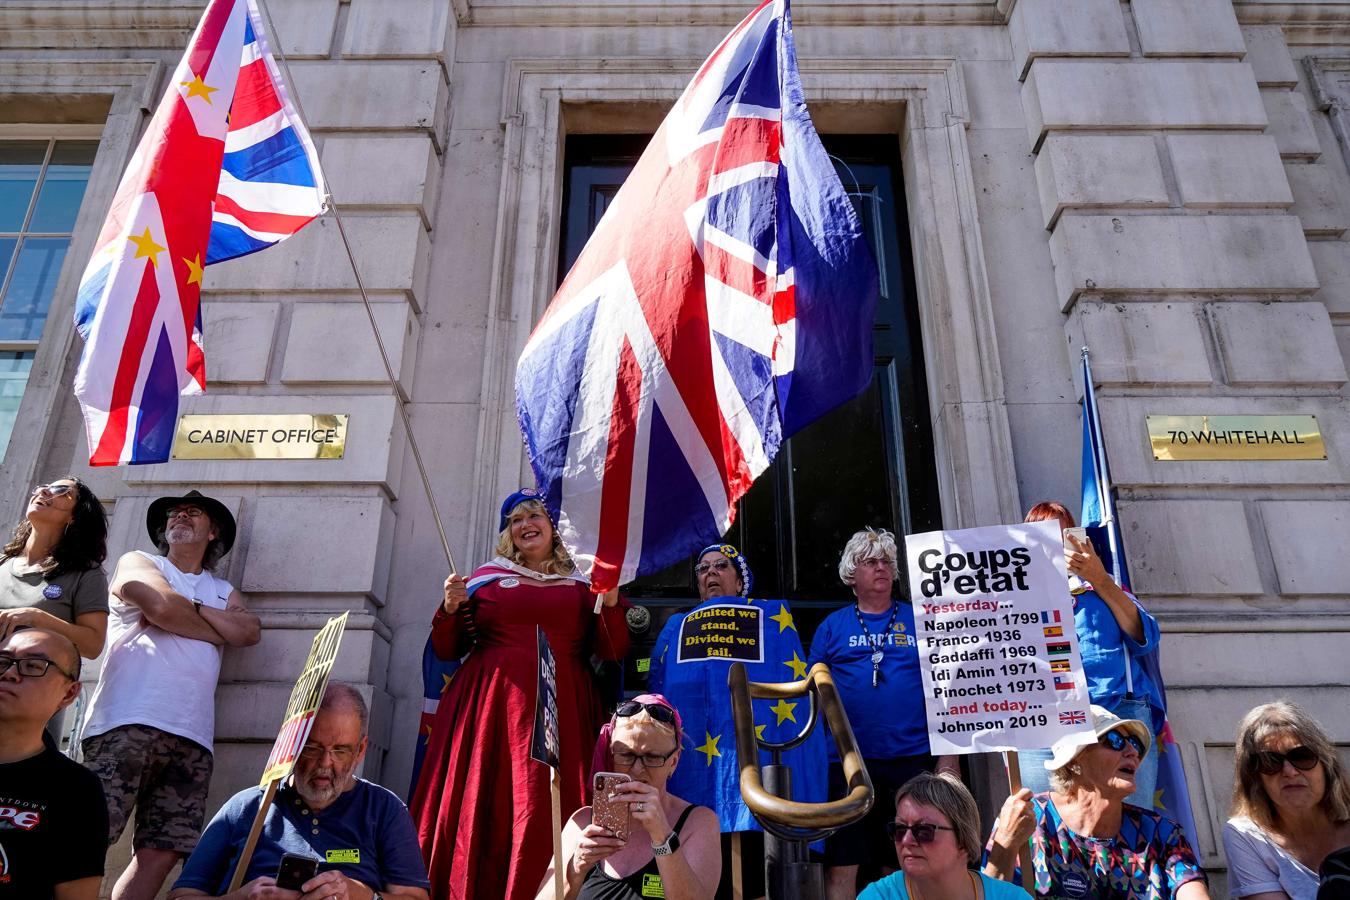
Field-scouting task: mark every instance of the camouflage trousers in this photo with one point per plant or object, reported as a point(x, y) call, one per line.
point(162, 775)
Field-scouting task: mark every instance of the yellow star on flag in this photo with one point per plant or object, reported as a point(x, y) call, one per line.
point(146, 246)
point(710, 747)
point(759, 732)
point(446, 679)
point(198, 88)
point(1157, 801)
point(797, 665)
point(784, 620)
point(194, 269)
point(783, 710)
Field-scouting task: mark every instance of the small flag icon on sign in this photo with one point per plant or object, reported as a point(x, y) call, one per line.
point(1059, 665)
point(1063, 682)
point(1052, 616)
point(1057, 649)
point(1054, 631)
point(1073, 717)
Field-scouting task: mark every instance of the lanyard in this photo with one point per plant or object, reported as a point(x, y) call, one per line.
point(877, 653)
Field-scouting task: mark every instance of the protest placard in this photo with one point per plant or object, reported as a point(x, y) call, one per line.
point(730, 631)
point(997, 648)
point(544, 746)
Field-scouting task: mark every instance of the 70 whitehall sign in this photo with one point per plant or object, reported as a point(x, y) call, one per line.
point(1235, 437)
point(299, 436)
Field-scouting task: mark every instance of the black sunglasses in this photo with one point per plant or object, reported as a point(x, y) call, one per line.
point(1269, 762)
point(31, 666)
point(658, 712)
point(1117, 741)
point(924, 832)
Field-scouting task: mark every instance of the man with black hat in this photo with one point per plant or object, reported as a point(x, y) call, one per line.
point(152, 718)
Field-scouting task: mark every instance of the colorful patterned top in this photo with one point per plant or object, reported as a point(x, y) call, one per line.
point(1148, 860)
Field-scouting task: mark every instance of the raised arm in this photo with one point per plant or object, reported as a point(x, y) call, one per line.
point(139, 583)
point(1087, 565)
point(234, 623)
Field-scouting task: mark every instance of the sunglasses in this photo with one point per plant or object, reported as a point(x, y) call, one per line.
point(1117, 741)
point(1269, 762)
point(53, 490)
point(721, 565)
point(924, 832)
point(663, 714)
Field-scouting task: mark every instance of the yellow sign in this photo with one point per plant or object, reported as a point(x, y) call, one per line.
point(343, 856)
point(1235, 437)
point(305, 699)
point(261, 437)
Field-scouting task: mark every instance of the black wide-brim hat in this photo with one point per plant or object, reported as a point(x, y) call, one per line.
point(157, 516)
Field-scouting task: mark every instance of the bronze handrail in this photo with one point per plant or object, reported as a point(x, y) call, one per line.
point(792, 814)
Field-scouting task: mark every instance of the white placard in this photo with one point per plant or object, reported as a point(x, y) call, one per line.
point(997, 648)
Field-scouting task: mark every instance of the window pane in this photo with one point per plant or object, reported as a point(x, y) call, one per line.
point(20, 162)
point(63, 186)
point(14, 366)
point(7, 245)
point(23, 309)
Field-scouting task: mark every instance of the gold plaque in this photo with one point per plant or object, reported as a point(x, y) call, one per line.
point(1236, 437)
point(261, 437)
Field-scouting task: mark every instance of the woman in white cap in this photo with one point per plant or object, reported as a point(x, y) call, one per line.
point(1086, 841)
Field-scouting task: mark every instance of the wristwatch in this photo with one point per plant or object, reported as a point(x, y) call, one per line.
point(671, 844)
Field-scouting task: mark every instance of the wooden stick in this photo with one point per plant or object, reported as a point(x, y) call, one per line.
point(1024, 860)
point(559, 888)
point(251, 844)
point(737, 877)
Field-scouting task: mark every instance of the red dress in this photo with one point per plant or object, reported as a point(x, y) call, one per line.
point(482, 805)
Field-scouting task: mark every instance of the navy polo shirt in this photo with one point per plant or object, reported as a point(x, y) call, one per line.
point(366, 834)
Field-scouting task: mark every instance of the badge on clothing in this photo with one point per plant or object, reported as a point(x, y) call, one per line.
point(52, 591)
point(342, 856)
point(652, 886)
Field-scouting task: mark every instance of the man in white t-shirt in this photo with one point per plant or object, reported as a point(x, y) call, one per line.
point(151, 721)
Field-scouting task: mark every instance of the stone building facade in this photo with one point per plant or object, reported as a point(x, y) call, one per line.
point(1164, 180)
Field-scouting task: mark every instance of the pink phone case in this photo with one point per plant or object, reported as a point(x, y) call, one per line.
point(607, 812)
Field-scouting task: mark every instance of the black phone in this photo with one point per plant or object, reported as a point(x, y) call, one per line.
point(295, 870)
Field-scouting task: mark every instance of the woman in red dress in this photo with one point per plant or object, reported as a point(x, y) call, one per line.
point(482, 805)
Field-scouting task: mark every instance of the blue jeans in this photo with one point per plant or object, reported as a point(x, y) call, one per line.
point(1035, 776)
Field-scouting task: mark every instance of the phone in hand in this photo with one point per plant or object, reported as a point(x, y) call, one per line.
point(1079, 534)
point(295, 870)
point(607, 811)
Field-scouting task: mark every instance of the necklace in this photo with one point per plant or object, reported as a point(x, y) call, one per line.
point(877, 653)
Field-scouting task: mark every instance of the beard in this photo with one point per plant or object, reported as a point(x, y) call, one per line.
point(320, 797)
point(179, 533)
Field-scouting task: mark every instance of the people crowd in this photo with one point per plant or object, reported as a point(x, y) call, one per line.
point(480, 823)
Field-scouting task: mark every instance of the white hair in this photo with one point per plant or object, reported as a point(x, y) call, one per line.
point(868, 544)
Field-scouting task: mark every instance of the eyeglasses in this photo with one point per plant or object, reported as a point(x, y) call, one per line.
point(924, 832)
point(627, 759)
point(341, 755)
point(1269, 762)
point(191, 512)
point(1117, 741)
point(56, 489)
point(657, 711)
point(721, 565)
point(30, 666)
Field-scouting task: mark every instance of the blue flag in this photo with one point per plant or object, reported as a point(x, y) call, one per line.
point(1172, 798)
point(690, 663)
point(436, 674)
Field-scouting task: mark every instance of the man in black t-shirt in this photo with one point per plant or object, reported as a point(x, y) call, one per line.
point(53, 819)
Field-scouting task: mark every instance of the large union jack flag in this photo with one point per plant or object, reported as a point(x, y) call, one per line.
point(724, 301)
point(224, 169)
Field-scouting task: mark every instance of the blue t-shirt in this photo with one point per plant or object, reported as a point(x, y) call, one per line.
point(892, 887)
point(888, 720)
point(1103, 645)
point(366, 835)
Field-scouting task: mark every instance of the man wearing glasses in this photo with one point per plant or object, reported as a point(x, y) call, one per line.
point(152, 719)
point(359, 834)
point(53, 822)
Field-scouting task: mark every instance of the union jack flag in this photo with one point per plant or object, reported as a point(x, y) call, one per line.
point(224, 169)
point(1073, 717)
point(724, 302)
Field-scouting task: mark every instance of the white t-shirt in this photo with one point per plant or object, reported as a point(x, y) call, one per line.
point(151, 677)
point(1256, 864)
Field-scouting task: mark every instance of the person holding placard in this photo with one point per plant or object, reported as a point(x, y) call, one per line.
point(1291, 804)
point(1086, 840)
point(1114, 634)
point(481, 803)
point(872, 651)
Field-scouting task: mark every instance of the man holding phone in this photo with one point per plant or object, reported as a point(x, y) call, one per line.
point(328, 834)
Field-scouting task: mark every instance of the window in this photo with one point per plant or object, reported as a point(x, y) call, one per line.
point(42, 183)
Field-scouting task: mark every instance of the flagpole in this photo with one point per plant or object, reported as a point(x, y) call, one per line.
point(1103, 477)
point(365, 301)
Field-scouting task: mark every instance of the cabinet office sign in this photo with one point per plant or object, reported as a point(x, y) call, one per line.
point(261, 437)
point(1235, 437)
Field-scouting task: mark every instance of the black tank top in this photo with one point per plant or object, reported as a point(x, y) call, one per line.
point(643, 884)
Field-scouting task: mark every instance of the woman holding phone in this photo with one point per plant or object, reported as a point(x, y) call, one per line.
point(481, 803)
point(658, 845)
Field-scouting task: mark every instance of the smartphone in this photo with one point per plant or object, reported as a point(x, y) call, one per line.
point(1078, 534)
point(295, 870)
point(606, 811)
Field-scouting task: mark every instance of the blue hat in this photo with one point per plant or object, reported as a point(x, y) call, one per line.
point(731, 553)
point(515, 500)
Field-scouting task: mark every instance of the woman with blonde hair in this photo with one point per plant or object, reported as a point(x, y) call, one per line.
point(481, 803)
point(1291, 804)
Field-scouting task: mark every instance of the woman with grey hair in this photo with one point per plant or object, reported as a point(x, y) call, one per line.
point(1291, 804)
point(937, 836)
point(1086, 841)
point(873, 655)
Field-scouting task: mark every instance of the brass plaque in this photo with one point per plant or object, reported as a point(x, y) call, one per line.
point(261, 437)
point(1235, 437)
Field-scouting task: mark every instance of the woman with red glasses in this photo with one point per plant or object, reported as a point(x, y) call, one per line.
point(1291, 804)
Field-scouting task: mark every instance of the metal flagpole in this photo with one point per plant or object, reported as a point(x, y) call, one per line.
point(399, 399)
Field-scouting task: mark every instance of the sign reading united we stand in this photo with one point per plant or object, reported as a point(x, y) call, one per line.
point(997, 648)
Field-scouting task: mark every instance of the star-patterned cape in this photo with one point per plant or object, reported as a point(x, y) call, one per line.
point(709, 772)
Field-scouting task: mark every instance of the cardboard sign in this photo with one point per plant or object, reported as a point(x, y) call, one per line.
point(544, 739)
point(304, 703)
point(997, 646)
point(731, 631)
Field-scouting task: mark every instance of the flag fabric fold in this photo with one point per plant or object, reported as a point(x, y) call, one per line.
point(724, 302)
point(225, 168)
point(1172, 796)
